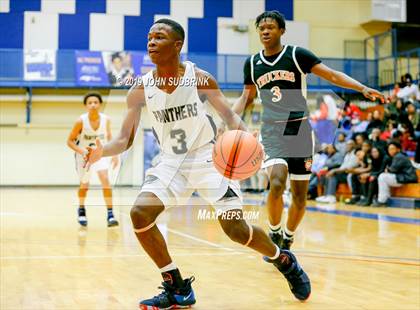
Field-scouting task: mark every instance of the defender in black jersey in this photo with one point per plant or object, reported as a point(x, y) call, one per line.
point(277, 74)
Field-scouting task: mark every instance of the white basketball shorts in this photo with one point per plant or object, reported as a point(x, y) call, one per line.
point(176, 177)
point(84, 173)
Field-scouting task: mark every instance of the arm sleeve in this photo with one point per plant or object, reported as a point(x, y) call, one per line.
point(395, 165)
point(306, 59)
point(335, 161)
point(247, 72)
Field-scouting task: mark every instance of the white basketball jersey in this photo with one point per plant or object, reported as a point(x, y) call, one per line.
point(179, 120)
point(88, 136)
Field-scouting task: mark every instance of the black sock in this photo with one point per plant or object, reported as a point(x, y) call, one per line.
point(173, 277)
point(110, 214)
point(82, 211)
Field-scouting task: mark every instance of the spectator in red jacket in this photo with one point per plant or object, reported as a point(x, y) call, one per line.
point(391, 127)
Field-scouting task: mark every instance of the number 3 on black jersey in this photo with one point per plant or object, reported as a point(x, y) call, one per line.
point(277, 95)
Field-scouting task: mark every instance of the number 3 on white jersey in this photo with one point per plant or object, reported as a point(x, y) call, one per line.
point(275, 90)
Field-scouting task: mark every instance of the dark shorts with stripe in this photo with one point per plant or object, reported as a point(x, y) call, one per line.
point(291, 148)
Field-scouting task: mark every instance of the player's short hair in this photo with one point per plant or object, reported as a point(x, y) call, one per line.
point(92, 94)
point(176, 27)
point(276, 15)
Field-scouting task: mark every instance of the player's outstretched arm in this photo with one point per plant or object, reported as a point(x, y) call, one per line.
point(74, 133)
point(343, 80)
point(125, 138)
point(208, 86)
point(247, 97)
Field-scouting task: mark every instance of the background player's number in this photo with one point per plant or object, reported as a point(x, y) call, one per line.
point(275, 90)
point(179, 135)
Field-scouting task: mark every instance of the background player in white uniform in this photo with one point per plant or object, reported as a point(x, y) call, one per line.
point(89, 127)
point(185, 134)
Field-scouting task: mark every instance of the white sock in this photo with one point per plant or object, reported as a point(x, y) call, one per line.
point(274, 228)
point(288, 234)
point(277, 253)
point(169, 267)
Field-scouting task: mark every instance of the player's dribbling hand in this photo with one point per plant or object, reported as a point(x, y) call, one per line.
point(94, 153)
point(373, 94)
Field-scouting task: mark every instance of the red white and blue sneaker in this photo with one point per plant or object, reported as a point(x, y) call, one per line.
point(298, 280)
point(279, 240)
point(171, 297)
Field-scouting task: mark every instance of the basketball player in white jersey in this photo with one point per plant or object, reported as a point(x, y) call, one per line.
point(185, 134)
point(89, 127)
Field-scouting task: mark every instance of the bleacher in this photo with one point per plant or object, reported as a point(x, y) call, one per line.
point(405, 196)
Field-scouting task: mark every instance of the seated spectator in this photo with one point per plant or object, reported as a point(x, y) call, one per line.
point(359, 139)
point(402, 115)
point(369, 189)
point(366, 147)
point(390, 110)
point(359, 174)
point(410, 90)
point(413, 116)
point(339, 175)
point(321, 164)
point(400, 172)
point(408, 143)
point(375, 140)
point(340, 144)
point(391, 127)
point(351, 110)
point(376, 122)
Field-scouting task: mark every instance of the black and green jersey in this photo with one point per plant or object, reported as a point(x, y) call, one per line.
point(281, 84)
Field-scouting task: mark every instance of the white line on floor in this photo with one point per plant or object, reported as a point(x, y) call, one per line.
point(108, 256)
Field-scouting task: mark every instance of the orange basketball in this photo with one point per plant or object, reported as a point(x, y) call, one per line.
point(237, 154)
